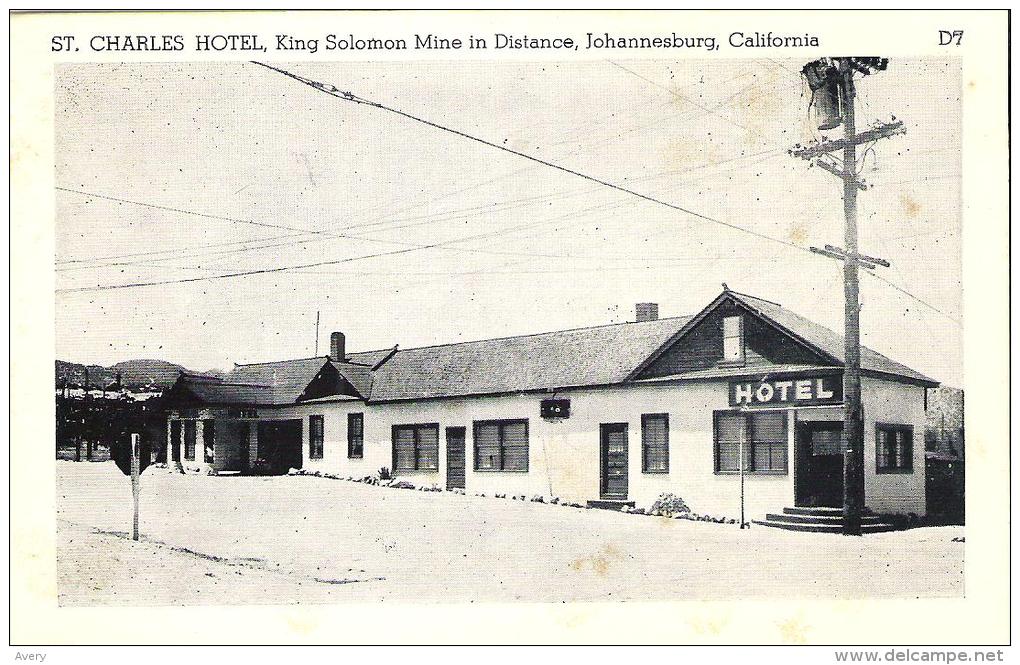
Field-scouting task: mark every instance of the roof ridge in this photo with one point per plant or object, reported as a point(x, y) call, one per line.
point(280, 362)
point(195, 375)
point(538, 334)
point(245, 383)
point(748, 295)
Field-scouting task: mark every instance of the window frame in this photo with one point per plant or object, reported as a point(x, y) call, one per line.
point(316, 440)
point(360, 443)
point(500, 423)
point(893, 428)
point(749, 446)
point(416, 428)
point(645, 417)
point(741, 338)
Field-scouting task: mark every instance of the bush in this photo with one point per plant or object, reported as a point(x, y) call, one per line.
point(384, 473)
point(669, 504)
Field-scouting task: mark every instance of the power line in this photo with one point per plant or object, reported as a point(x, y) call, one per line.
point(263, 271)
point(348, 96)
point(912, 296)
point(678, 95)
point(186, 252)
point(113, 257)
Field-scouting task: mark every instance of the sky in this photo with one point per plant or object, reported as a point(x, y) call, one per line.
point(191, 170)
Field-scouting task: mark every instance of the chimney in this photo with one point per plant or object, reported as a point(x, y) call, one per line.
point(337, 350)
point(647, 311)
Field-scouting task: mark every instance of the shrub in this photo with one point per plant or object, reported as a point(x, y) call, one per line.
point(669, 504)
point(384, 473)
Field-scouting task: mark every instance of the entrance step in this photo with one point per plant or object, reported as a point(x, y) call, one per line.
point(609, 504)
point(834, 518)
point(820, 520)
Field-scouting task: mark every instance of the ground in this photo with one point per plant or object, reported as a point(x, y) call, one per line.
point(302, 539)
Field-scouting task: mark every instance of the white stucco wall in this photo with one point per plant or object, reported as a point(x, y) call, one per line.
point(564, 454)
point(899, 404)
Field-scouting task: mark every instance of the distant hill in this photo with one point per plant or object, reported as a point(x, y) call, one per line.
point(134, 373)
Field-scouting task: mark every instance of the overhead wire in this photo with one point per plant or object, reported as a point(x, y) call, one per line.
point(351, 97)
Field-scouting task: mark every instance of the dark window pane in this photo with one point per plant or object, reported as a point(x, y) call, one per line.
point(655, 443)
point(403, 448)
point(487, 447)
point(769, 426)
point(826, 442)
point(355, 435)
point(316, 436)
point(728, 453)
point(428, 448)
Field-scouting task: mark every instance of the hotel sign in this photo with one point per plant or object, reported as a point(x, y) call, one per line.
point(788, 392)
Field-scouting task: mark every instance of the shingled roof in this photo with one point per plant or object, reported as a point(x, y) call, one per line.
point(214, 390)
point(826, 340)
point(594, 356)
point(287, 378)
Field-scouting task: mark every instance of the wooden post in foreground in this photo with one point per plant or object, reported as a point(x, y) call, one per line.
point(134, 482)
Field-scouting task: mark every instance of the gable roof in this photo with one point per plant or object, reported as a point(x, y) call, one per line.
point(803, 330)
point(287, 378)
point(214, 390)
point(359, 376)
point(826, 340)
point(595, 356)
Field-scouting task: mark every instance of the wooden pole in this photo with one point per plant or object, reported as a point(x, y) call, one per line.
point(135, 489)
point(740, 462)
point(86, 420)
point(853, 421)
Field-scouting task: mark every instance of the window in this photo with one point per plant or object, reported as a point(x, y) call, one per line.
point(209, 440)
point(894, 448)
point(356, 435)
point(733, 339)
point(655, 443)
point(765, 442)
point(501, 445)
point(316, 436)
point(190, 437)
point(415, 448)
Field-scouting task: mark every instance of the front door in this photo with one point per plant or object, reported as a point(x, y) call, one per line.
point(614, 461)
point(455, 462)
point(280, 443)
point(819, 464)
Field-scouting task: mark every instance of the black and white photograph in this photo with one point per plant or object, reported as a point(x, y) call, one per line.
point(612, 315)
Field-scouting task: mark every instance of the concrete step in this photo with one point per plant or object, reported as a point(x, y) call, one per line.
point(829, 518)
point(821, 511)
point(609, 504)
point(821, 527)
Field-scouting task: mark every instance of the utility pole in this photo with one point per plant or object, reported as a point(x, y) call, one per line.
point(832, 84)
point(316, 333)
point(87, 419)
